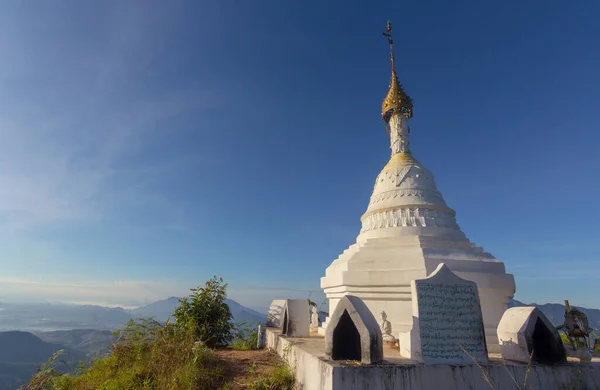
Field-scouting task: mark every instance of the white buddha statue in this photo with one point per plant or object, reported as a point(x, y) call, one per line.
point(314, 320)
point(386, 329)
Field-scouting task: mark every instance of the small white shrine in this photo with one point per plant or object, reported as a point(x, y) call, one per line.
point(407, 231)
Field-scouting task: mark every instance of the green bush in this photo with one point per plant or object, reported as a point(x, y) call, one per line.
point(207, 314)
point(565, 340)
point(147, 356)
point(245, 337)
point(46, 375)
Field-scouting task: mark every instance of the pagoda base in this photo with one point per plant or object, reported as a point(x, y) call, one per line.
point(380, 271)
point(314, 370)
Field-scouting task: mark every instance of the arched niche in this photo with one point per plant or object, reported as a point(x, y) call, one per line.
point(353, 333)
point(346, 340)
point(545, 348)
point(525, 334)
point(284, 323)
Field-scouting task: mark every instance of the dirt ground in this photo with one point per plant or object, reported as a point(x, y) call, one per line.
point(243, 367)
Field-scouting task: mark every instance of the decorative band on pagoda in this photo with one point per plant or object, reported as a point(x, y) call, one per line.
point(432, 195)
point(408, 217)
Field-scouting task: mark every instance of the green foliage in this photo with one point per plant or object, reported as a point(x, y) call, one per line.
point(146, 356)
point(566, 340)
point(281, 378)
point(46, 374)
point(138, 331)
point(245, 337)
point(574, 342)
point(151, 356)
point(207, 314)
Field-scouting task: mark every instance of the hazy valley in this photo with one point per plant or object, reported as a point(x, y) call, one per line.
point(31, 333)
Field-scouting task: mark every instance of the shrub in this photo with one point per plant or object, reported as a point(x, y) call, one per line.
point(246, 337)
point(207, 314)
point(567, 342)
point(147, 356)
point(46, 375)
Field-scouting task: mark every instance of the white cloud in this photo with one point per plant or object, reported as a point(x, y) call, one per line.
point(129, 293)
point(74, 113)
point(106, 293)
point(69, 116)
point(63, 177)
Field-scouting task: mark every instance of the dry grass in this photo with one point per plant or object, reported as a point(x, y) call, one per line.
point(255, 370)
point(163, 358)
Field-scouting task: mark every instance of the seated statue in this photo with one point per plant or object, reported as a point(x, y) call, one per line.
point(386, 329)
point(314, 320)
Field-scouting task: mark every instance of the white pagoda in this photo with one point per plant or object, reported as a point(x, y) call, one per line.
point(406, 232)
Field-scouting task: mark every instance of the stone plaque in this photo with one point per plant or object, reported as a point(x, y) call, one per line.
point(448, 319)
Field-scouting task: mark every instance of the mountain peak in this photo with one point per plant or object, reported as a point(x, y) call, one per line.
point(165, 308)
point(556, 312)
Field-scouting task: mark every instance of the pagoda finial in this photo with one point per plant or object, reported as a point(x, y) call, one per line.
point(396, 101)
point(388, 34)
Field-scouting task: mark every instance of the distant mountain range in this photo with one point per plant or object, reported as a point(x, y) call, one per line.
point(556, 312)
point(39, 317)
point(22, 352)
point(87, 342)
point(89, 333)
point(46, 317)
point(162, 310)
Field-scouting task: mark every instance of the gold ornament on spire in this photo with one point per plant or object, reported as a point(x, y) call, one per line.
point(396, 101)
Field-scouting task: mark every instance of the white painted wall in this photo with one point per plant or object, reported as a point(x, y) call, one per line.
point(314, 372)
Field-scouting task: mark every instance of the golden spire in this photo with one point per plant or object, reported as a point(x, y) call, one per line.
point(396, 101)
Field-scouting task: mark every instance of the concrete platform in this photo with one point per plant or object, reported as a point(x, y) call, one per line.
point(314, 371)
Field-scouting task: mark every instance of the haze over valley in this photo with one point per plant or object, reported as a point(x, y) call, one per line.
point(31, 332)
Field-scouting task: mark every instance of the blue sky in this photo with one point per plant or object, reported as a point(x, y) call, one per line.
point(146, 146)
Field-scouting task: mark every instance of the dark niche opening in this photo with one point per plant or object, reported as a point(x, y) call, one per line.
point(545, 347)
point(346, 340)
point(285, 322)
